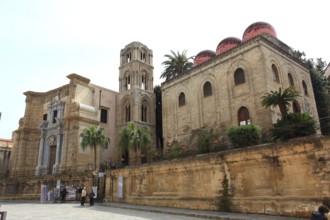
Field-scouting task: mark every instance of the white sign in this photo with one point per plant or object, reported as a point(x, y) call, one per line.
point(120, 187)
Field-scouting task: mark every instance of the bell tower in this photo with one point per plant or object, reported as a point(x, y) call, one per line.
point(136, 98)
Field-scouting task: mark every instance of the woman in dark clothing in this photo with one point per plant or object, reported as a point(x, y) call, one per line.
point(91, 197)
point(321, 214)
point(63, 194)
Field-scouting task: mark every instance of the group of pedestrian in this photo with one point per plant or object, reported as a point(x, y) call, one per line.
point(81, 195)
point(84, 194)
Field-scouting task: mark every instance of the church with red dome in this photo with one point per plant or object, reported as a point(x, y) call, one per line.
point(224, 87)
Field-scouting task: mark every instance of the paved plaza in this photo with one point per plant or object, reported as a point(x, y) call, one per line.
point(21, 210)
point(70, 211)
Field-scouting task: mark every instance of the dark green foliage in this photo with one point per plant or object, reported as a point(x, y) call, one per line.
point(282, 99)
point(320, 88)
point(205, 141)
point(224, 201)
point(176, 64)
point(294, 125)
point(246, 135)
point(321, 95)
point(93, 137)
point(179, 151)
point(159, 121)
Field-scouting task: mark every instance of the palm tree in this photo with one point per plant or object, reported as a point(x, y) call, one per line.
point(281, 99)
point(134, 138)
point(93, 137)
point(176, 64)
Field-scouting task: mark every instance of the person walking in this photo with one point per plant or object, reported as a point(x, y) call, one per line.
point(80, 188)
point(91, 197)
point(83, 196)
point(63, 194)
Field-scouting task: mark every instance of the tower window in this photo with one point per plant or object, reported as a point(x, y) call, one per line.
point(104, 116)
point(128, 57)
point(128, 82)
point(144, 111)
point(44, 117)
point(127, 113)
point(143, 57)
point(144, 81)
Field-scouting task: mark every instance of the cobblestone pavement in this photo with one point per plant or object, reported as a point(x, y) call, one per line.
point(21, 210)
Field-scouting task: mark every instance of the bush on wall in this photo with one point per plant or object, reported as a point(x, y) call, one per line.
point(245, 135)
point(294, 125)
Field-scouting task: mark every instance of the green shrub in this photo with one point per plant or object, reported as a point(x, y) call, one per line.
point(205, 141)
point(294, 125)
point(245, 135)
point(177, 151)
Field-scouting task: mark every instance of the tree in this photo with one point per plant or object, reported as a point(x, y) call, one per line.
point(134, 138)
point(281, 99)
point(320, 88)
point(176, 64)
point(93, 137)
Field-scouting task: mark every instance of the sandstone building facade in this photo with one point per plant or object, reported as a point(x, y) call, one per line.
point(221, 90)
point(224, 87)
point(48, 138)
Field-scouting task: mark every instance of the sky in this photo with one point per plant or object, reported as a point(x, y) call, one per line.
point(43, 41)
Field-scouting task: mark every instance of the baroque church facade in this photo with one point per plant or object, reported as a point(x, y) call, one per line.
point(48, 138)
point(222, 89)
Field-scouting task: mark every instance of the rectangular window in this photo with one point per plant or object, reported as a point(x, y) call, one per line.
point(104, 115)
point(44, 117)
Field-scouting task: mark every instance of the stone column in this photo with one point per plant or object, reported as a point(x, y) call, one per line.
point(40, 156)
point(58, 154)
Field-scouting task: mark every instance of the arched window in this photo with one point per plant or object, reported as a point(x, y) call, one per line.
point(275, 73)
point(243, 116)
point(305, 88)
point(127, 82)
point(127, 113)
point(144, 111)
point(296, 107)
point(144, 81)
point(207, 89)
point(239, 76)
point(182, 99)
point(290, 79)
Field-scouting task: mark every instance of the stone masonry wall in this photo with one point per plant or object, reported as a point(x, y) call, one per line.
point(289, 179)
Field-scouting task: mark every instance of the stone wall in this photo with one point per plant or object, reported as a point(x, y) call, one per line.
point(29, 187)
point(289, 179)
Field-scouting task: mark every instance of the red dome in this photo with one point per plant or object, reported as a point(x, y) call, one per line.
point(203, 56)
point(257, 29)
point(227, 44)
